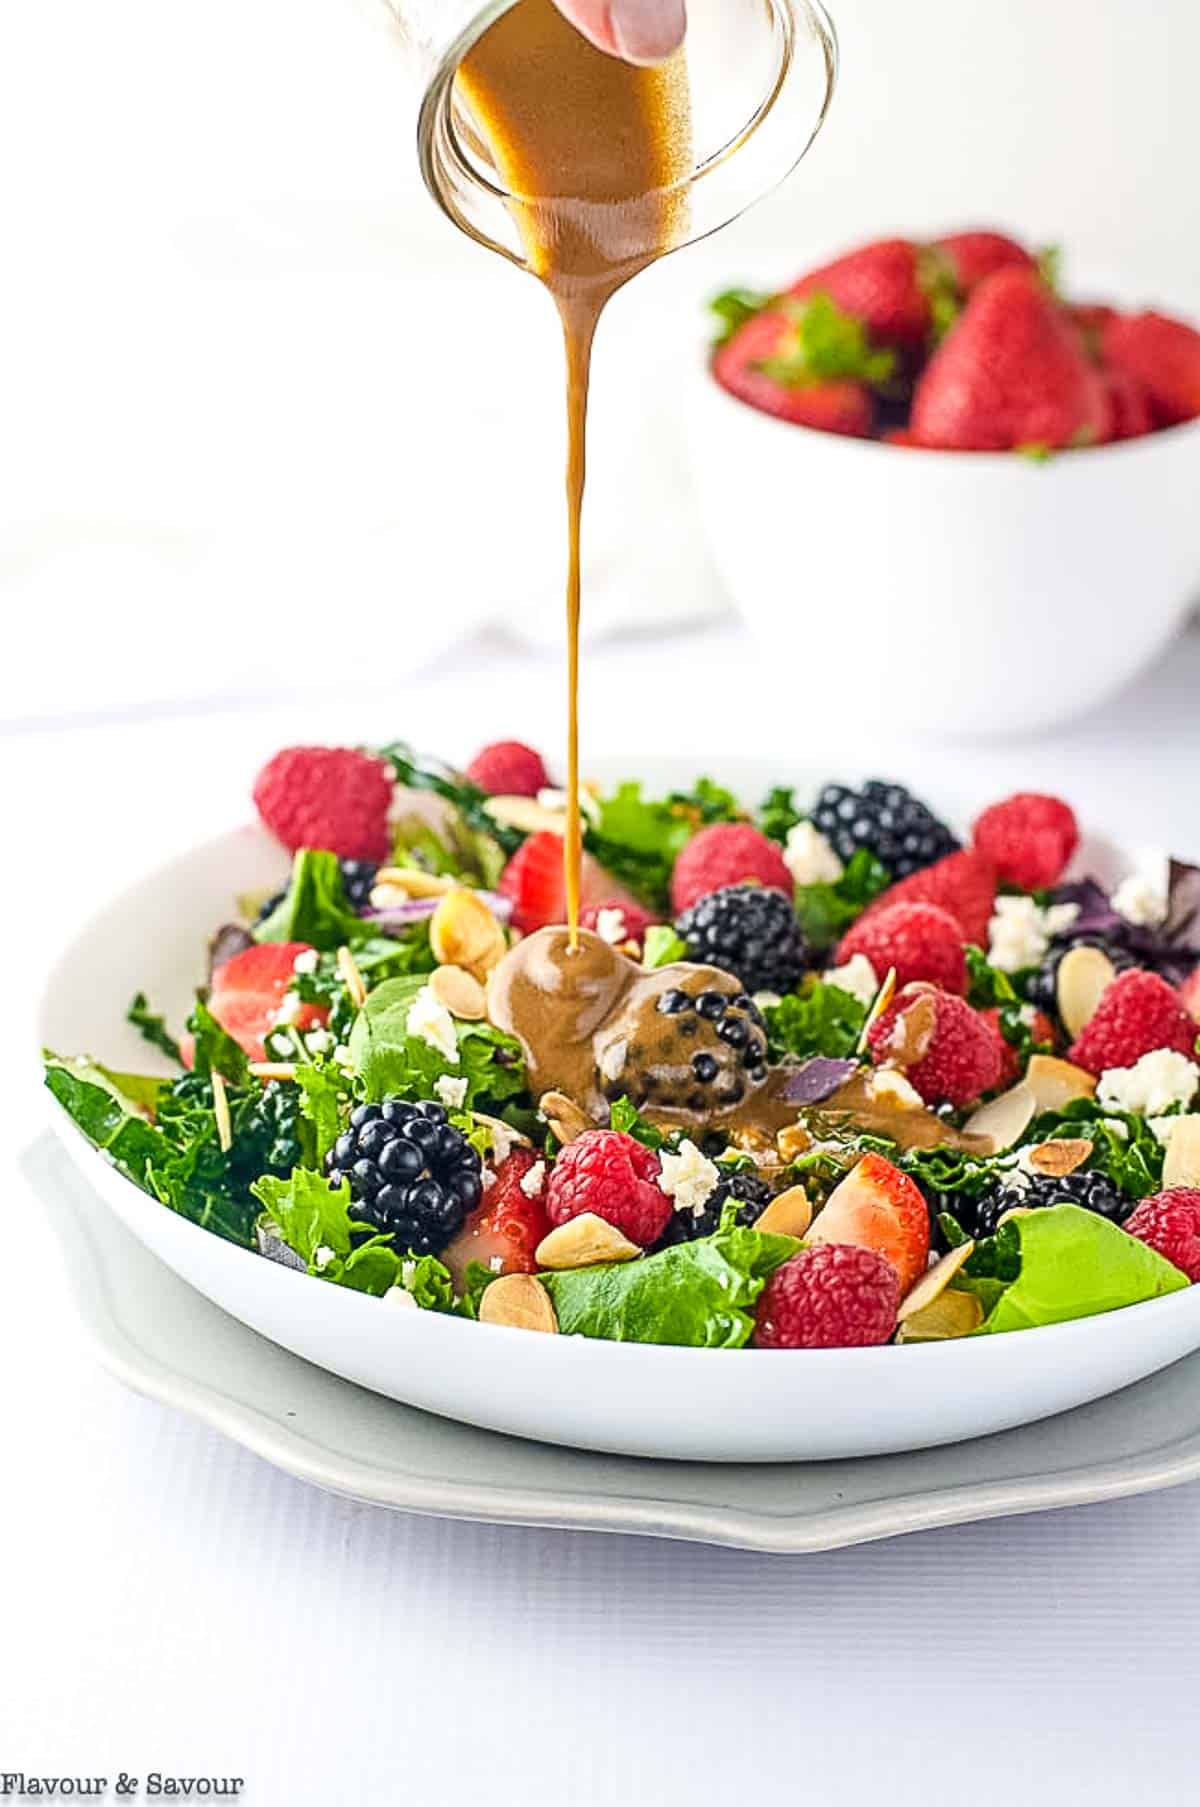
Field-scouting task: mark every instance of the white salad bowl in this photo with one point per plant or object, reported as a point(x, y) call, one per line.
point(974, 593)
point(693, 1404)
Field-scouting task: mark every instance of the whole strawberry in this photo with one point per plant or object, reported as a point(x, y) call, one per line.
point(974, 256)
point(1170, 1224)
point(1137, 1013)
point(335, 798)
point(1012, 374)
point(1163, 355)
point(614, 1177)
point(759, 365)
point(962, 883)
point(835, 1296)
point(724, 854)
point(508, 768)
point(944, 1048)
point(882, 284)
point(920, 940)
point(1029, 839)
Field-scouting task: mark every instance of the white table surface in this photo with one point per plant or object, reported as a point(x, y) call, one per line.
point(170, 1602)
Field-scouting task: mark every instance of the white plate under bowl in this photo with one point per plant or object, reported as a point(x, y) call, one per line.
point(160, 1337)
point(688, 1404)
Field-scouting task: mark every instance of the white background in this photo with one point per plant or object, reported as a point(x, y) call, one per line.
point(244, 373)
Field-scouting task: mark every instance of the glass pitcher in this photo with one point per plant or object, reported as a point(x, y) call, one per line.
point(761, 75)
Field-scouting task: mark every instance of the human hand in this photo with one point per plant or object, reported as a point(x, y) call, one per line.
point(641, 31)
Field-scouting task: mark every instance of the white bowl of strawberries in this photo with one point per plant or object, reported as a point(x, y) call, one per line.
point(996, 486)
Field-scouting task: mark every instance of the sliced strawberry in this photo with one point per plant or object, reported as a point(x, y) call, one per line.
point(248, 990)
point(878, 1207)
point(505, 1229)
point(535, 882)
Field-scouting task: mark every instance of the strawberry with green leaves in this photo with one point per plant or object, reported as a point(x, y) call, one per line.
point(885, 285)
point(805, 362)
point(1011, 375)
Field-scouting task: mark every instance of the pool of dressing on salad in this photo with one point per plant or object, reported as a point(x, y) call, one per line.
point(555, 111)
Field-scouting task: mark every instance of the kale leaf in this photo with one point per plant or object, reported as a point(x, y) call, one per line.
point(819, 1019)
point(152, 1028)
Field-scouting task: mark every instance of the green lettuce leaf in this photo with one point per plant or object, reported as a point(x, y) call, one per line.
point(324, 1094)
point(1075, 1264)
point(661, 946)
point(313, 1218)
point(827, 910)
point(390, 1063)
point(638, 839)
point(698, 1294)
point(819, 1019)
point(106, 1116)
point(314, 907)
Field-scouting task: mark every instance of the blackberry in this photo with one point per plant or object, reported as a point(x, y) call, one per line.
point(412, 1176)
point(1042, 988)
point(885, 819)
point(749, 931)
point(980, 1216)
point(751, 1194)
point(690, 1041)
point(358, 881)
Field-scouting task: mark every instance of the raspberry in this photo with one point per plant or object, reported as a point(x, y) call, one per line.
point(921, 940)
point(963, 883)
point(508, 768)
point(610, 1174)
point(834, 1296)
point(947, 1051)
point(335, 798)
point(1029, 839)
point(1138, 1013)
point(727, 853)
point(1170, 1224)
point(601, 918)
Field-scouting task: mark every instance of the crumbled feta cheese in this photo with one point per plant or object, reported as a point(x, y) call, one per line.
point(501, 1138)
point(610, 926)
point(809, 857)
point(1164, 1128)
point(1119, 1129)
point(1151, 1086)
point(1027, 1014)
point(533, 1181)
point(1139, 899)
point(450, 1091)
point(430, 1022)
point(858, 977)
point(1020, 931)
point(343, 1057)
point(290, 1007)
point(488, 1178)
point(767, 1000)
point(612, 1061)
point(307, 961)
point(318, 1041)
point(399, 1296)
point(408, 1272)
point(688, 1178)
point(888, 1086)
point(497, 1264)
point(322, 1257)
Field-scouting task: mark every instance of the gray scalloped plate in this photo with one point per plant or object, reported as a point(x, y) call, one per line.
point(152, 1331)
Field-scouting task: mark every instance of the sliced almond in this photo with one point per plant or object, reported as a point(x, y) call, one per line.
point(566, 1119)
point(1182, 1164)
point(221, 1113)
point(952, 1314)
point(932, 1285)
point(1056, 1083)
point(1005, 1119)
point(412, 881)
point(520, 1302)
point(1059, 1157)
point(883, 998)
point(792, 1142)
point(273, 1069)
point(460, 992)
point(788, 1214)
point(463, 932)
point(1084, 975)
point(351, 977)
point(527, 814)
point(586, 1241)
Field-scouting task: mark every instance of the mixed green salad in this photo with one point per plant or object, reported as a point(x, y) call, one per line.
point(850, 1082)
